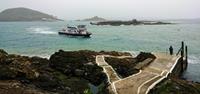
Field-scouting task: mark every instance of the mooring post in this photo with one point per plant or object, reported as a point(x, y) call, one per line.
point(182, 55)
point(186, 53)
point(186, 57)
point(182, 49)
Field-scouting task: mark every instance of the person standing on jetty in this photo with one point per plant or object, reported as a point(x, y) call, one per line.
point(171, 50)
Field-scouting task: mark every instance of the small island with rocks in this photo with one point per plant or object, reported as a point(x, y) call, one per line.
point(94, 19)
point(131, 22)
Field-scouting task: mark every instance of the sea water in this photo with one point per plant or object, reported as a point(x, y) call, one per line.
point(42, 39)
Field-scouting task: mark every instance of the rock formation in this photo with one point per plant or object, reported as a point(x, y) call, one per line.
point(126, 66)
point(95, 18)
point(131, 22)
point(73, 72)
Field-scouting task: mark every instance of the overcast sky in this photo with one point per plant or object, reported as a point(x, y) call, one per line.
point(111, 9)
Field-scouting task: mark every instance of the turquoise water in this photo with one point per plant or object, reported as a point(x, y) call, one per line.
point(41, 38)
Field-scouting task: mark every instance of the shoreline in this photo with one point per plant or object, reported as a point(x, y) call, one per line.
point(186, 75)
point(65, 66)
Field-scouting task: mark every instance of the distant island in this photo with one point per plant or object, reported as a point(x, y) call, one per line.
point(131, 22)
point(95, 18)
point(25, 14)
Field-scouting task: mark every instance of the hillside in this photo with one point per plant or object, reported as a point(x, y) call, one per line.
point(25, 14)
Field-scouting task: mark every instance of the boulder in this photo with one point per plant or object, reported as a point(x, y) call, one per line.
point(143, 55)
point(123, 66)
point(128, 66)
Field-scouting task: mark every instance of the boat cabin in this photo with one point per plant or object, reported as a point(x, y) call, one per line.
point(80, 30)
point(82, 27)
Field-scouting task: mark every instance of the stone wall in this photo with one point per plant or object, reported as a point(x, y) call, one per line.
point(180, 67)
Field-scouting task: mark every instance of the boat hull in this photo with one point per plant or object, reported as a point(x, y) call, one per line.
point(71, 34)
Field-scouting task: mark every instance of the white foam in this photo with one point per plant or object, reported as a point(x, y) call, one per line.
point(41, 55)
point(193, 60)
point(41, 30)
point(133, 53)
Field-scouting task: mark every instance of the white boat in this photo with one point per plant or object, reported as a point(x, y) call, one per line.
point(80, 30)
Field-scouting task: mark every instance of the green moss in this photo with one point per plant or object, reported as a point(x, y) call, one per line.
point(60, 76)
point(87, 91)
point(176, 86)
point(71, 82)
point(6, 72)
point(102, 89)
point(164, 88)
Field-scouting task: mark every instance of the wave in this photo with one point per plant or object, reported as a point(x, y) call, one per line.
point(37, 55)
point(133, 53)
point(193, 59)
point(41, 30)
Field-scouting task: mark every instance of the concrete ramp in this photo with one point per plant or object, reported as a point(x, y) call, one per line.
point(110, 72)
point(145, 80)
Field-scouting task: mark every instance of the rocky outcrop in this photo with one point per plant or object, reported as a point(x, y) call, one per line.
point(78, 64)
point(117, 23)
point(74, 72)
point(143, 55)
point(123, 66)
point(131, 22)
point(173, 85)
point(69, 72)
point(30, 71)
point(127, 66)
point(95, 18)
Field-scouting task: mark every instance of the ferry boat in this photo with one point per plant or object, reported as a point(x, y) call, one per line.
point(80, 30)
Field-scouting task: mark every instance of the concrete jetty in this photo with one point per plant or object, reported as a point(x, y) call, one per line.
point(142, 82)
